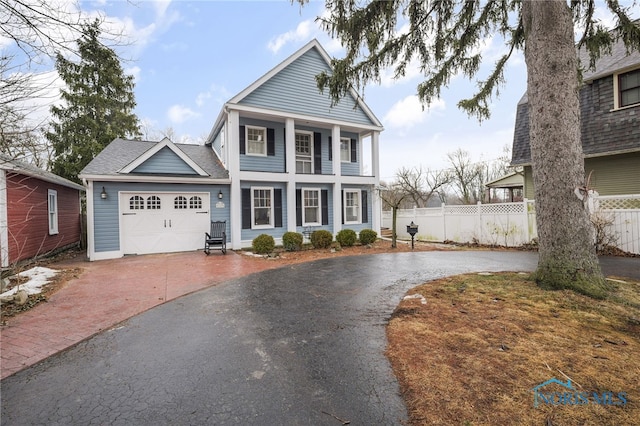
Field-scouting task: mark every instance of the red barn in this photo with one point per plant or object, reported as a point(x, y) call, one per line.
point(39, 212)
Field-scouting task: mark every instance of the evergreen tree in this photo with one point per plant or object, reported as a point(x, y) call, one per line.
point(98, 104)
point(443, 36)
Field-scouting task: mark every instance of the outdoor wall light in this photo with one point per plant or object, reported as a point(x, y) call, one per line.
point(220, 195)
point(103, 194)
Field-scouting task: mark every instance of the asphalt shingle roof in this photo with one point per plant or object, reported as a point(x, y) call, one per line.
point(8, 163)
point(122, 152)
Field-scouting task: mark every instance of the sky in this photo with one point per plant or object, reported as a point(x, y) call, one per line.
point(189, 57)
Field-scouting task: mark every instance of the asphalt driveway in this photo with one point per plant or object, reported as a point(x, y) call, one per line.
point(299, 345)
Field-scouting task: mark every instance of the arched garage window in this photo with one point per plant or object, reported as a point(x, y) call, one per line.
point(195, 202)
point(136, 203)
point(153, 203)
point(180, 202)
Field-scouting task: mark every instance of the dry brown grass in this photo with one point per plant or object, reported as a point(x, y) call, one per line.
point(474, 352)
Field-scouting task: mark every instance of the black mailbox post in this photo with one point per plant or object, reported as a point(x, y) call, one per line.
point(412, 229)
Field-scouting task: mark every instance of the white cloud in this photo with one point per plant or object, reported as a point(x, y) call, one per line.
point(218, 93)
point(179, 114)
point(135, 71)
point(408, 112)
point(300, 33)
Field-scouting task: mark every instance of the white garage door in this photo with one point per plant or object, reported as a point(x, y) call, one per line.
point(162, 222)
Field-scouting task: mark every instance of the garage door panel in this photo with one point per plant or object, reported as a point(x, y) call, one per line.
point(169, 227)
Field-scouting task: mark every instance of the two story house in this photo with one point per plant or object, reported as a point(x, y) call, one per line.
point(610, 124)
point(280, 157)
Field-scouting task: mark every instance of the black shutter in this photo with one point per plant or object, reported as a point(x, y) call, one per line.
point(271, 142)
point(246, 208)
point(330, 149)
point(317, 153)
point(365, 207)
point(277, 207)
point(342, 204)
point(324, 200)
point(298, 207)
point(354, 151)
point(241, 136)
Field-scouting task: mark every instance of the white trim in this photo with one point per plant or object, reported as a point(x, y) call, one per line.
point(155, 179)
point(91, 245)
point(311, 150)
point(105, 255)
point(271, 224)
point(312, 120)
point(319, 207)
point(246, 141)
point(157, 147)
point(348, 140)
point(52, 220)
point(4, 224)
point(616, 90)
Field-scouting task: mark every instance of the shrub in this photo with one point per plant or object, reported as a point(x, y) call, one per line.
point(346, 237)
point(263, 244)
point(321, 238)
point(292, 241)
point(368, 236)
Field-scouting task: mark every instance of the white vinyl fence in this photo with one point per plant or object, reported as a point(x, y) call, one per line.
point(511, 224)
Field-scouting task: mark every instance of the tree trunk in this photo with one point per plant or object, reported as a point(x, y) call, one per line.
point(566, 245)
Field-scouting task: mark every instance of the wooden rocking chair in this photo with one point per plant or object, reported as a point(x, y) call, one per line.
point(217, 238)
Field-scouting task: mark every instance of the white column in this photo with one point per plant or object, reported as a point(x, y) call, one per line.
point(337, 187)
point(235, 200)
point(290, 149)
point(91, 239)
point(376, 204)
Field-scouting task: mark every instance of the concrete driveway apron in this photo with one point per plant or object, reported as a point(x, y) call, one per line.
point(299, 345)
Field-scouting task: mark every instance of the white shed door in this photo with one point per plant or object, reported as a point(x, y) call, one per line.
point(162, 222)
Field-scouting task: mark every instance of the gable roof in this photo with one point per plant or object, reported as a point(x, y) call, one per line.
point(11, 164)
point(121, 156)
point(155, 149)
point(250, 95)
point(603, 131)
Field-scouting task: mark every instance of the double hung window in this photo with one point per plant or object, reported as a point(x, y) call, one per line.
point(53, 211)
point(256, 140)
point(311, 207)
point(345, 150)
point(304, 153)
point(262, 207)
point(352, 210)
point(629, 88)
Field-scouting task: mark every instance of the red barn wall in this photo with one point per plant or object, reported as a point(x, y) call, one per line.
point(27, 217)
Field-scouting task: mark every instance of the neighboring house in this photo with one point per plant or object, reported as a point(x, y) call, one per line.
point(280, 157)
point(506, 189)
point(39, 212)
point(610, 125)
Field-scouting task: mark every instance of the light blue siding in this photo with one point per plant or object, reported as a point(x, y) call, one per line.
point(106, 217)
point(269, 163)
point(217, 144)
point(165, 161)
point(294, 90)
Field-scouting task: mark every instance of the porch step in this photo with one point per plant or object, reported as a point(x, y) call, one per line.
point(386, 232)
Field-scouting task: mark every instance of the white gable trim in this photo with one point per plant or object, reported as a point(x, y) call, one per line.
point(156, 148)
point(313, 43)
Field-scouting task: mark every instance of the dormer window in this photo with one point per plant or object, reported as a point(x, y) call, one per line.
point(629, 88)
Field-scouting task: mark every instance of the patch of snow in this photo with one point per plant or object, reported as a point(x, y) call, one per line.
point(39, 276)
point(416, 296)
